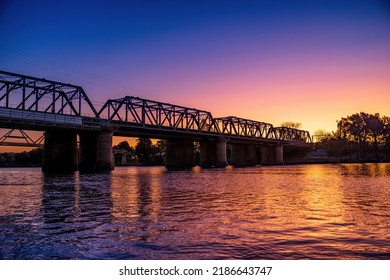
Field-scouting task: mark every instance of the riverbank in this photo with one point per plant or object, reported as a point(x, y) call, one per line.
point(34, 159)
point(333, 160)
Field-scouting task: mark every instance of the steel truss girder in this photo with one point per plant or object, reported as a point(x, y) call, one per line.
point(40, 95)
point(37, 94)
point(292, 135)
point(19, 137)
point(261, 130)
point(136, 110)
point(244, 127)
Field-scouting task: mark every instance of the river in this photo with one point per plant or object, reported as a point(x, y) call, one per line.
point(338, 211)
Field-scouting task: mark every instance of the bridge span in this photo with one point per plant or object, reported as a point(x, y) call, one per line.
point(64, 111)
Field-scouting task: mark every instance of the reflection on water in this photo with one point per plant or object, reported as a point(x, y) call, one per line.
point(283, 212)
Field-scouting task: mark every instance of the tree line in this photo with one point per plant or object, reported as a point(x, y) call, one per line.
point(32, 158)
point(144, 152)
point(360, 136)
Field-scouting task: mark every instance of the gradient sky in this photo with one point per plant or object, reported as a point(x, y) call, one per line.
point(304, 61)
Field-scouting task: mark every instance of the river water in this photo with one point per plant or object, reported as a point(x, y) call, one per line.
point(275, 212)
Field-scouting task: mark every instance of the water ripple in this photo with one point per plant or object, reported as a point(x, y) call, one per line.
point(283, 212)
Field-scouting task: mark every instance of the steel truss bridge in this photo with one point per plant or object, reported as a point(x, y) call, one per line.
point(29, 103)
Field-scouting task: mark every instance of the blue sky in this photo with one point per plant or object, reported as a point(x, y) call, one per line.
point(305, 61)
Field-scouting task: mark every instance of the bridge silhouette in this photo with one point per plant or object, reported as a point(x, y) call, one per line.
point(64, 111)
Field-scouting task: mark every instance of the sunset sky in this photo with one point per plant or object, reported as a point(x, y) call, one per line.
point(311, 62)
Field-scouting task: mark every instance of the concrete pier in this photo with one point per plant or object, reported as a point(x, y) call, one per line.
point(237, 155)
point(207, 153)
point(243, 155)
point(251, 155)
point(271, 154)
point(60, 151)
point(279, 154)
point(213, 153)
point(180, 153)
point(87, 151)
point(104, 156)
point(264, 154)
point(96, 151)
point(221, 156)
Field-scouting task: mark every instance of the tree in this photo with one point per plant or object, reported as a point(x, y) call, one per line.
point(320, 134)
point(385, 135)
point(291, 124)
point(36, 156)
point(374, 126)
point(158, 152)
point(161, 146)
point(364, 132)
point(31, 158)
point(363, 129)
point(386, 129)
point(144, 149)
point(124, 145)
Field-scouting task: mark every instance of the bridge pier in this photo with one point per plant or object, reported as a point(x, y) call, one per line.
point(87, 151)
point(238, 155)
point(243, 155)
point(265, 160)
point(60, 151)
point(104, 156)
point(213, 153)
point(272, 154)
point(250, 153)
point(279, 154)
point(221, 157)
point(96, 151)
point(180, 154)
point(207, 153)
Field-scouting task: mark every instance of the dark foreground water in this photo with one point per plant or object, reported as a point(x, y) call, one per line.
point(285, 212)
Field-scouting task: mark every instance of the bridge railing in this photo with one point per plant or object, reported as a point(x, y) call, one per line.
point(17, 115)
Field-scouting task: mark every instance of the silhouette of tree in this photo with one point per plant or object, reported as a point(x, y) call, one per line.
point(351, 128)
point(386, 128)
point(321, 134)
point(385, 135)
point(291, 124)
point(31, 158)
point(124, 145)
point(374, 128)
point(364, 129)
point(144, 149)
point(161, 146)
